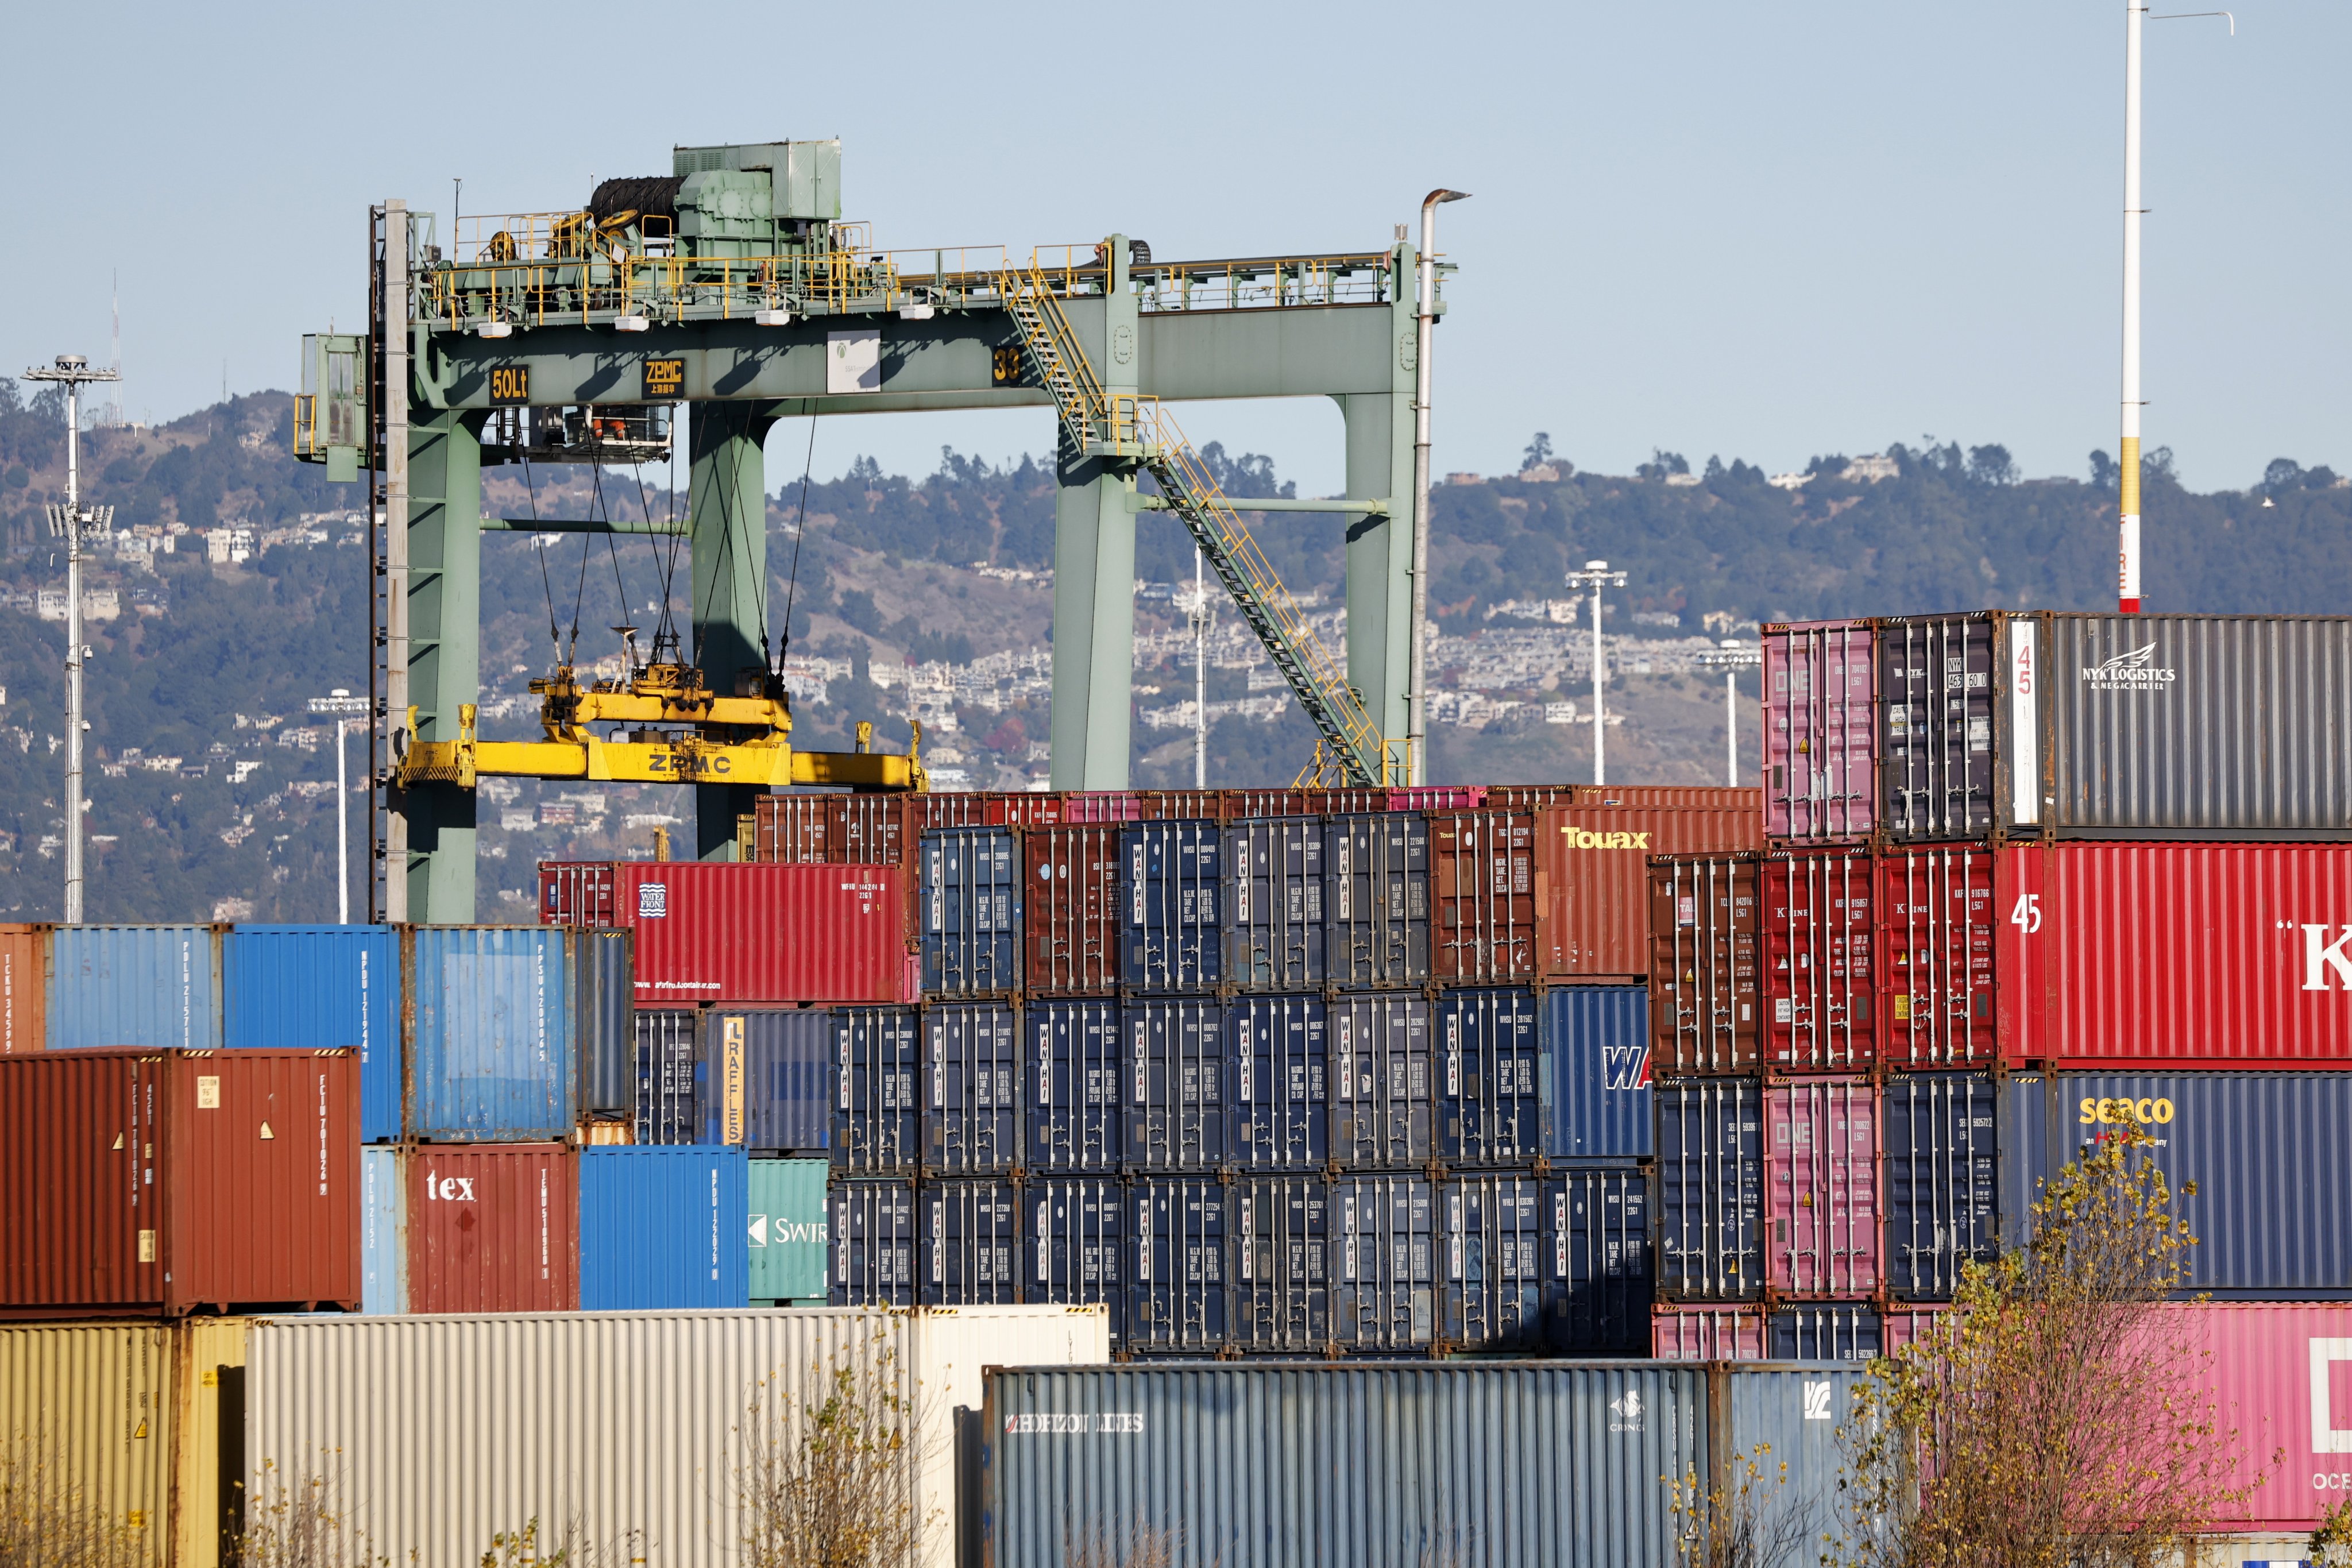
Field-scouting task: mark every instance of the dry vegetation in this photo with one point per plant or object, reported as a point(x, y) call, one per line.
point(828, 1478)
point(46, 1521)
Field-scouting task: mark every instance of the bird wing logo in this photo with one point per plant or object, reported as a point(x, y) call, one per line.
point(2135, 671)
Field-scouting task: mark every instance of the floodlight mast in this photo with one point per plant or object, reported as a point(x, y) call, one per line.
point(342, 707)
point(1731, 657)
point(1416, 728)
point(1596, 576)
point(73, 372)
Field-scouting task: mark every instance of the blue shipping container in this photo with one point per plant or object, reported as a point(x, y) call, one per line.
point(1074, 1082)
point(877, 1055)
point(971, 1100)
point(1074, 1234)
point(1385, 1115)
point(1492, 1296)
point(1497, 1085)
point(1596, 1038)
point(1176, 1290)
point(290, 987)
point(1281, 1099)
point(490, 1053)
point(1824, 1330)
point(134, 985)
point(1384, 1286)
point(663, 1229)
point(970, 895)
point(1942, 1169)
point(669, 1097)
point(1273, 903)
point(969, 1252)
point(873, 1244)
point(2272, 1213)
point(766, 1079)
point(1280, 1299)
point(1711, 1189)
point(1173, 940)
point(1176, 1112)
point(1377, 899)
point(1792, 1413)
point(383, 1231)
point(1599, 1235)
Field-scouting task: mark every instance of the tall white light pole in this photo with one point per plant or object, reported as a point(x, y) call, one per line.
point(1731, 657)
point(343, 707)
point(1199, 615)
point(1596, 576)
point(2128, 480)
point(72, 371)
point(1416, 724)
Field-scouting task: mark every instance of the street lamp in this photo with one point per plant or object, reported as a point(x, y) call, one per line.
point(1596, 576)
point(69, 520)
point(1416, 724)
point(343, 708)
point(1732, 657)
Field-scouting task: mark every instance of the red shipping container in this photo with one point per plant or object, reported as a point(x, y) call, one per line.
point(1817, 935)
point(24, 988)
point(1703, 1003)
point(1244, 803)
point(1481, 892)
point(830, 829)
point(1706, 1333)
point(1099, 806)
point(716, 932)
point(1820, 1161)
point(1591, 873)
point(1937, 909)
point(2190, 953)
point(162, 1183)
point(986, 808)
point(1071, 908)
point(493, 1228)
point(1820, 728)
point(1184, 805)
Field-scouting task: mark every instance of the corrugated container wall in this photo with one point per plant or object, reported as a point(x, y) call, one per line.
point(290, 987)
point(1703, 995)
point(663, 1229)
point(1273, 903)
point(134, 985)
point(789, 1221)
point(1821, 1150)
point(1592, 877)
point(1174, 939)
point(1596, 1038)
point(970, 911)
point(1071, 908)
point(1942, 1164)
point(1821, 727)
point(1937, 763)
point(1376, 905)
point(493, 1228)
point(605, 1005)
point(1340, 1467)
point(878, 1057)
point(1484, 907)
point(383, 1229)
point(24, 989)
point(1711, 1189)
point(1817, 937)
point(490, 1032)
point(767, 1079)
point(1794, 1414)
point(2280, 1376)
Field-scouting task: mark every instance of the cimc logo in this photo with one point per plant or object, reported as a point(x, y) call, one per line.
point(1625, 1412)
point(2322, 957)
point(2134, 671)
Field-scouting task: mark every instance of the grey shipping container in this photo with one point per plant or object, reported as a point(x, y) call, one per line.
point(1281, 1291)
point(668, 1093)
point(1074, 1075)
point(877, 1055)
point(1496, 1103)
point(1384, 1111)
point(1711, 1170)
point(1176, 1114)
point(1942, 1167)
point(1384, 1286)
point(1938, 687)
point(1279, 1065)
point(874, 1244)
point(767, 1079)
point(607, 1002)
point(1785, 1415)
point(1176, 1297)
point(1352, 1466)
point(1273, 903)
point(971, 1078)
point(1596, 1038)
point(969, 1246)
point(970, 897)
point(1376, 903)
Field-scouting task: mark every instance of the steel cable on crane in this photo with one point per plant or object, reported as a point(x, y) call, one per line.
point(664, 555)
point(604, 514)
point(730, 514)
point(800, 529)
point(539, 547)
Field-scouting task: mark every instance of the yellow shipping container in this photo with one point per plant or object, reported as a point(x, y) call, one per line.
point(124, 1420)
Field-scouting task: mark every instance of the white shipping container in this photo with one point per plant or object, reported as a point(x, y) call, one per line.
point(440, 1432)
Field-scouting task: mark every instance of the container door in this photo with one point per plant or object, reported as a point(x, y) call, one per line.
point(1385, 1114)
point(1280, 1099)
point(1822, 1149)
point(1937, 760)
point(1710, 1167)
point(1703, 965)
point(1937, 933)
point(786, 1227)
point(877, 1052)
point(1074, 1077)
point(1818, 937)
point(1176, 1115)
point(1820, 724)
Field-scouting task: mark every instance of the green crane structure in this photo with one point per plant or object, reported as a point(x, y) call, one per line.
point(733, 286)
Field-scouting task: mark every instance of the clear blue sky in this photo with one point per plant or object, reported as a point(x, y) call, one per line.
point(1762, 231)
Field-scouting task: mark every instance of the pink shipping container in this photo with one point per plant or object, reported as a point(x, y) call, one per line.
point(1906, 1325)
point(1820, 730)
point(2282, 1376)
point(1438, 797)
point(1101, 805)
point(1820, 1161)
point(1706, 1333)
point(715, 932)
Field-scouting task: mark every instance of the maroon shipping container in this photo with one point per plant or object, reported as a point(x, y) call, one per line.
point(162, 1183)
point(1071, 908)
point(1821, 1163)
point(715, 932)
point(1481, 891)
point(1817, 936)
point(1819, 732)
point(1184, 805)
point(985, 808)
point(493, 1228)
point(1246, 802)
point(1592, 870)
point(1706, 1333)
point(1704, 1002)
point(830, 829)
point(1937, 909)
point(2187, 953)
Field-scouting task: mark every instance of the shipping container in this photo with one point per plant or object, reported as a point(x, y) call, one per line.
point(618, 1432)
point(1703, 995)
point(494, 1228)
point(1597, 1039)
point(873, 1246)
point(1341, 1466)
point(1483, 909)
point(1821, 1150)
point(1706, 1333)
point(1711, 1189)
point(134, 985)
point(725, 932)
point(1591, 872)
point(1074, 1237)
point(939, 809)
point(1174, 938)
point(2175, 954)
point(1909, 1324)
point(1176, 1288)
point(972, 1094)
point(1824, 1330)
point(1492, 1295)
point(1242, 802)
point(878, 1057)
point(1281, 1098)
point(1938, 687)
point(1100, 805)
point(383, 1229)
point(1280, 1302)
point(1936, 914)
point(1788, 1422)
point(1176, 1115)
point(767, 1079)
point(24, 989)
point(1438, 797)
point(1273, 903)
point(2277, 1377)
point(968, 1246)
point(311, 987)
point(1598, 1236)
point(811, 829)
point(1384, 1276)
point(1942, 1163)
point(669, 1075)
point(490, 1049)
point(1385, 1114)
point(1377, 900)
point(2272, 1213)
point(1820, 731)
point(1071, 908)
point(970, 911)
point(1816, 937)
point(144, 1182)
point(662, 1229)
point(1182, 804)
point(788, 1224)
point(605, 1003)
point(1074, 1070)
point(1496, 1084)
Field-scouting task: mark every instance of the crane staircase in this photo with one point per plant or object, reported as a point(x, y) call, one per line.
point(1350, 749)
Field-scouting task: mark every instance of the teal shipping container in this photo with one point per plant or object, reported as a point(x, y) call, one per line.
point(662, 1228)
point(383, 1231)
point(291, 987)
point(491, 1033)
point(787, 1225)
point(135, 986)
